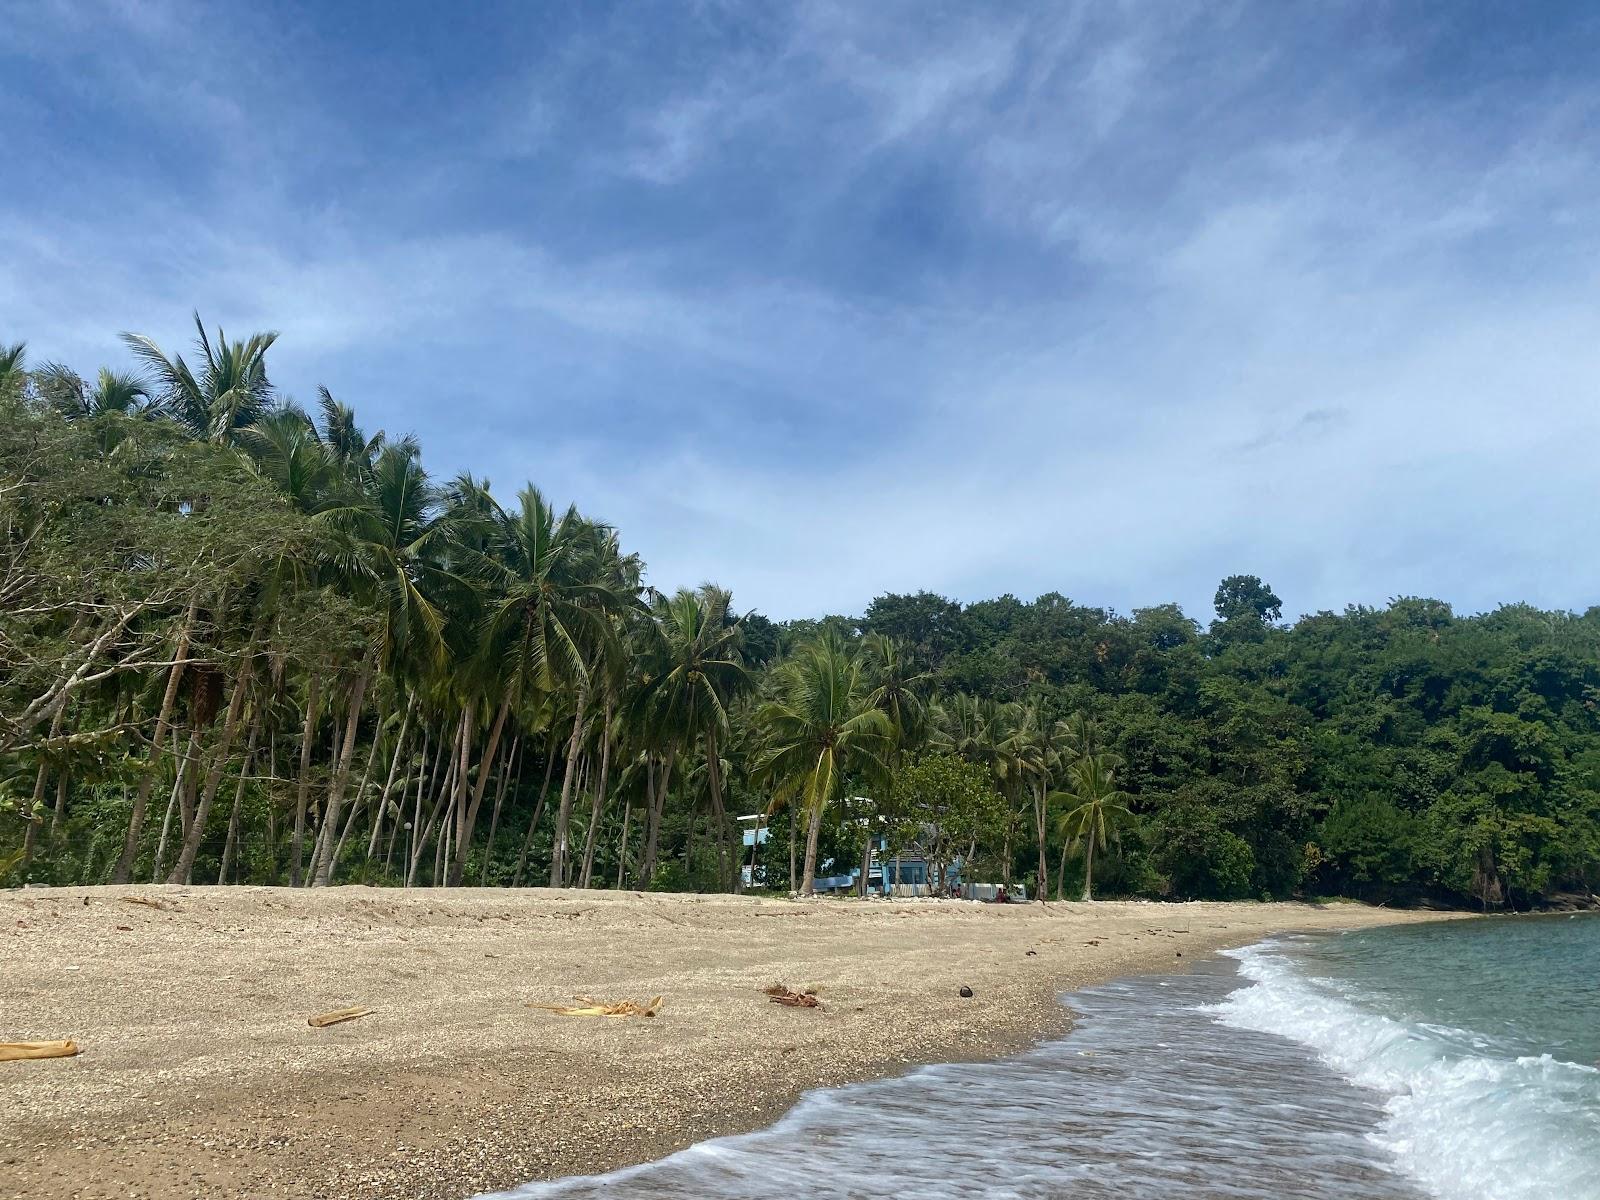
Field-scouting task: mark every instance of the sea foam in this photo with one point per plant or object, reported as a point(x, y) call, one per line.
point(1466, 1124)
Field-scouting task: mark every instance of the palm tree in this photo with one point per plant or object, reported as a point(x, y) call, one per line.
point(385, 550)
point(230, 393)
point(896, 691)
point(695, 672)
point(13, 369)
point(1031, 759)
point(73, 398)
point(1094, 806)
point(284, 448)
point(821, 728)
point(555, 582)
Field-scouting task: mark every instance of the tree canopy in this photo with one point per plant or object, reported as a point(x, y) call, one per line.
point(240, 641)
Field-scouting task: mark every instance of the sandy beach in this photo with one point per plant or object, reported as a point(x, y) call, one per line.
point(199, 1075)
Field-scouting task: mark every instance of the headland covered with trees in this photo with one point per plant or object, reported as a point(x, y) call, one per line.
point(244, 642)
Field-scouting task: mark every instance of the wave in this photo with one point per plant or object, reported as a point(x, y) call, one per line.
point(1465, 1124)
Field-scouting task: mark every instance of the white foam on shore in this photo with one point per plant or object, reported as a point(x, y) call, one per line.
point(1462, 1122)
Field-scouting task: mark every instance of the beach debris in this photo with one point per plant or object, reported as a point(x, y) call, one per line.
point(787, 996)
point(15, 1051)
point(1031, 954)
point(337, 1016)
point(147, 901)
point(965, 993)
point(588, 1006)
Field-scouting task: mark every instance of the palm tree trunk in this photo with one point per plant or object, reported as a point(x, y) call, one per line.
point(31, 834)
point(456, 814)
point(688, 845)
point(180, 781)
point(469, 817)
point(658, 803)
point(813, 829)
point(307, 736)
point(183, 869)
point(1088, 869)
point(513, 758)
point(416, 819)
point(61, 805)
point(714, 786)
point(388, 783)
point(355, 805)
point(599, 799)
point(422, 833)
point(130, 845)
point(1038, 821)
point(622, 842)
point(230, 846)
point(558, 849)
point(1061, 873)
point(341, 776)
point(538, 808)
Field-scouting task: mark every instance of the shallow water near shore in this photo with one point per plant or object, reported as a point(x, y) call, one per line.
point(1391, 1064)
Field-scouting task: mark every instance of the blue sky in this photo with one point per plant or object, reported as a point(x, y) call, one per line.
point(823, 300)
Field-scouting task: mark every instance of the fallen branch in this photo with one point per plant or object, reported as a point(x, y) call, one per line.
point(14, 1051)
point(779, 994)
point(337, 1016)
point(587, 1006)
point(146, 901)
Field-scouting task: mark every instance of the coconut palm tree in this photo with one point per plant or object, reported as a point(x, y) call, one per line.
point(555, 582)
point(385, 547)
point(112, 391)
point(230, 392)
point(694, 670)
point(1094, 807)
point(13, 369)
point(821, 728)
point(1031, 760)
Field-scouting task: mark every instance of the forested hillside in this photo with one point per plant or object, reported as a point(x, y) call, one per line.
point(240, 642)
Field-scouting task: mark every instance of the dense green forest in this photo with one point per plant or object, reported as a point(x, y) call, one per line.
point(241, 642)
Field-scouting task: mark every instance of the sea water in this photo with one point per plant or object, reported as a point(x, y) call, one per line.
point(1482, 1038)
point(1454, 1061)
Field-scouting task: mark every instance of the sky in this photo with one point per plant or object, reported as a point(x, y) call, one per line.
point(824, 300)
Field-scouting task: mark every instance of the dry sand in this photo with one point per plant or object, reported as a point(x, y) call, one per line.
point(200, 1077)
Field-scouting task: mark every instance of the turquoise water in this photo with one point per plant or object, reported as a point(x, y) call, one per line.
point(1480, 1036)
point(1520, 985)
point(1453, 1061)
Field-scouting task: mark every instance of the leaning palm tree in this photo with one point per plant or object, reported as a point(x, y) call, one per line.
point(821, 728)
point(1094, 806)
point(230, 391)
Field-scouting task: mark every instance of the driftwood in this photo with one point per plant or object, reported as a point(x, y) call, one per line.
point(337, 1016)
point(14, 1051)
point(146, 901)
point(790, 998)
point(588, 1006)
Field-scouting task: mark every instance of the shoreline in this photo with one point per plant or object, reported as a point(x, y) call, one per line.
point(200, 1076)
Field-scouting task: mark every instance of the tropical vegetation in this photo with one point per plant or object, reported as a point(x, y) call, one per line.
point(241, 641)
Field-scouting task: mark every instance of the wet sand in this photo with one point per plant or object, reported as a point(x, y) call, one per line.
point(200, 1077)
